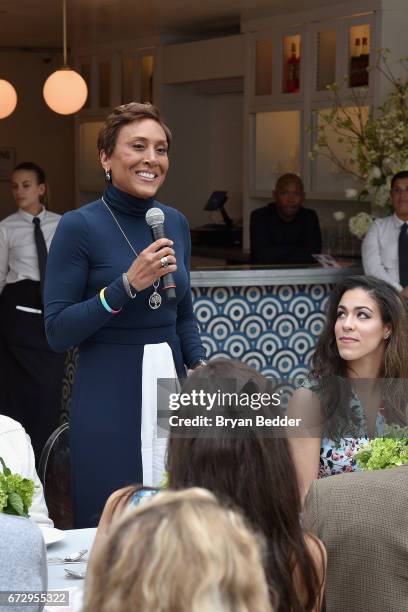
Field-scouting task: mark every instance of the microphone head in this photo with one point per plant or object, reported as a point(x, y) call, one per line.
point(154, 216)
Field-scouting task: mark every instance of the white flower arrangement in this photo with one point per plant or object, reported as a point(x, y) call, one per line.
point(376, 145)
point(359, 224)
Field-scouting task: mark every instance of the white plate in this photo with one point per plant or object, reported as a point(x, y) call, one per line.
point(51, 534)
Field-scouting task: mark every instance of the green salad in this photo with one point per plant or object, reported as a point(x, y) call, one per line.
point(16, 492)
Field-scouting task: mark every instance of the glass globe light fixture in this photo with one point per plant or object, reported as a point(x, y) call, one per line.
point(65, 91)
point(8, 99)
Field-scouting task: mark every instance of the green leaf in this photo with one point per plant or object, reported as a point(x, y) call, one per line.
point(16, 502)
point(6, 470)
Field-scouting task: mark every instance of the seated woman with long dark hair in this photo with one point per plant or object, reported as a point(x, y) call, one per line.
point(358, 381)
point(254, 472)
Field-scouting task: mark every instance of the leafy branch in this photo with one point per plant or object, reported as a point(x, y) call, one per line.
point(375, 142)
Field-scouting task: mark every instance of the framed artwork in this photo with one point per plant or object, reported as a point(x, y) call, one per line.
point(7, 162)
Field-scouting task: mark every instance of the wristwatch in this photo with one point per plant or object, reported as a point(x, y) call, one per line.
point(198, 364)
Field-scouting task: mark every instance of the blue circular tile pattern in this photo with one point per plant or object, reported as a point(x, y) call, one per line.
point(273, 329)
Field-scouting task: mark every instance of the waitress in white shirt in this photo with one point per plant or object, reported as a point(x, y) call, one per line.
point(30, 373)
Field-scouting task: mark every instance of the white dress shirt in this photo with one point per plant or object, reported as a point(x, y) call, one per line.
point(18, 252)
point(379, 250)
point(18, 455)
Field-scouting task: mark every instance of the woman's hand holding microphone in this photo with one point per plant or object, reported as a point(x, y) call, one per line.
point(150, 264)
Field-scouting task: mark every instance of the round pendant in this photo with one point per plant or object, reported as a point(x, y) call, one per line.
point(155, 300)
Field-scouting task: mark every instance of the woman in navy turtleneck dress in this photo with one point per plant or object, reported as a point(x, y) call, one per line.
point(124, 344)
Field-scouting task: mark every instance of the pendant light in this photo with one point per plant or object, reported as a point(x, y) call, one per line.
point(8, 99)
point(65, 91)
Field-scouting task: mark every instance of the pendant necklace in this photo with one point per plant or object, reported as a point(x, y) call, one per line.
point(155, 299)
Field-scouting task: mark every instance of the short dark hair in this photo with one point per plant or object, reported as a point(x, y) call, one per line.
point(289, 177)
point(122, 115)
point(400, 175)
point(32, 167)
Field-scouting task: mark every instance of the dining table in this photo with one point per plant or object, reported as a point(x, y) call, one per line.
point(72, 541)
point(67, 542)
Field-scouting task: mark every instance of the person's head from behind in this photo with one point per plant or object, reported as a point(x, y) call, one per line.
point(133, 147)
point(399, 194)
point(289, 194)
point(178, 551)
point(28, 187)
point(251, 469)
point(367, 323)
point(254, 471)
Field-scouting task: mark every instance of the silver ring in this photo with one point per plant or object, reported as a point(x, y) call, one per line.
point(164, 262)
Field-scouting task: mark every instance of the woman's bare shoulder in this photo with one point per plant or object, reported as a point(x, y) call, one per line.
point(305, 404)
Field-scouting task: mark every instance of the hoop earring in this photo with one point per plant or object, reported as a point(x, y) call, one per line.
point(108, 176)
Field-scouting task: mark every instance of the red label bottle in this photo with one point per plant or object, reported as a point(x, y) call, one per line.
point(355, 64)
point(293, 72)
point(364, 62)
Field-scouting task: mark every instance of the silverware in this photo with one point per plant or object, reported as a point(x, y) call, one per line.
point(74, 574)
point(68, 562)
point(76, 556)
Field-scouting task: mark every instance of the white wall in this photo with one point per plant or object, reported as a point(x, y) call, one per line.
point(217, 58)
point(206, 153)
point(226, 160)
point(37, 133)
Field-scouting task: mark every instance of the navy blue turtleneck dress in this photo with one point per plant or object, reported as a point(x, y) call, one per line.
point(89, 252)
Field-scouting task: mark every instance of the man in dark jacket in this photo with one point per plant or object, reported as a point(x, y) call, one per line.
point(284, 231)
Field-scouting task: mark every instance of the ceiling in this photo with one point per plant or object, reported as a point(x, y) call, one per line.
point(38, 23)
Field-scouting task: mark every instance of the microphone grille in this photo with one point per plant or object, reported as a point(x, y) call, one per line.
point(154, 216)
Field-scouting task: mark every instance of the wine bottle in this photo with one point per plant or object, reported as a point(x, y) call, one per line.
point(293, 71)
point(364, 62)
point(355, 64)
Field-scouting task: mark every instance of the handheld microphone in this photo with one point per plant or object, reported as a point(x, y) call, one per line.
point(155, 220)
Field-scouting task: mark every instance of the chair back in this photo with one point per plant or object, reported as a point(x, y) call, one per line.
point(55, 474)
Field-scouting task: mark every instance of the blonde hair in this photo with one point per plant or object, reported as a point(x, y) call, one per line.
point(178, 552)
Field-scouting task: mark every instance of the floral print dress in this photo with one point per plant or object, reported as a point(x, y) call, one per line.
point(338, 456)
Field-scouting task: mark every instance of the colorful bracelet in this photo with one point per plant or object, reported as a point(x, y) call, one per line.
point(105, 303)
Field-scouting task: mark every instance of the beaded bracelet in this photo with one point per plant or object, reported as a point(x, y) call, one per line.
point(105, 303)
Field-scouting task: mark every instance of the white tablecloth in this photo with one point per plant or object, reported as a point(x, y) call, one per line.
point(75, 540)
